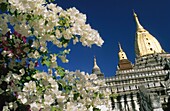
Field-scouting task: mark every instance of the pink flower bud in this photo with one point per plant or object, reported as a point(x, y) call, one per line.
point(24, 39)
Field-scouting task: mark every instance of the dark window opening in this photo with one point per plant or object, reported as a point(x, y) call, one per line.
point(163, 92)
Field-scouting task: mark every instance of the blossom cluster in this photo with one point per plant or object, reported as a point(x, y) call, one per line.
point(49, 22)
point(36, 90)
point(86, 91)
point(77, 91)
point(26, 28)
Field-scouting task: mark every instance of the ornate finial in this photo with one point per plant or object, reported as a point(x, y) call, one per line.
point(133, 11)
point(139, 26)
point(95, 60)
point(124, 63)
point(95, 63)
point(121, 53)
point(120, 48)
point(96, 69)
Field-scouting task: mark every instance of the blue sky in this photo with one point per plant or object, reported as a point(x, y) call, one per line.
point(115, 22)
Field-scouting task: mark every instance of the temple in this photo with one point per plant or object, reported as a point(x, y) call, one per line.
point(96, 70)
point(144, 85)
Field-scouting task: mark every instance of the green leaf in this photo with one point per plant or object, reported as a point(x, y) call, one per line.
point(16, 13)
point(45, 57)
point(60, 87)
point(28, 17)
point(62, 74)
point(63, 40)
point(95, 94)
point(96, 109)
point(40, 89)
point(101, 96)
point(53, 108)
point(47, 63)
point(28, 78)
point(46, 22)
point(4, 7)
point(76, 95)
point(68, 88)
point(23, 81)
point(61, 71)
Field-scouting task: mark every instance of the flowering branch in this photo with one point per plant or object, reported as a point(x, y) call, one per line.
point(26, 27)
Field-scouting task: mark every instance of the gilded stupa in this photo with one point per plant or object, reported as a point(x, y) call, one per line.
point(124, 63)
point(145, 43)
point(121, 54)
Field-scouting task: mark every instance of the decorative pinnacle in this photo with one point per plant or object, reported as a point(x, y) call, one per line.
point(121, 53)
point(95, 63)
point(121, 50)
point(139, 26)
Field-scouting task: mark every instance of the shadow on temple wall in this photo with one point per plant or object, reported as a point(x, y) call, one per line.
point(168, 105)
point(149, 101)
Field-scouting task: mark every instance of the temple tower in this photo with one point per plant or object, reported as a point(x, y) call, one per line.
point(145, 43)
point(124, 63)
point(150, 70)
point(96, 70)
point(121, 54)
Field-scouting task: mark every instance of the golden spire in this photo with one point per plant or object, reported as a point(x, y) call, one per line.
point(124, 63)
point(138, 25)
point(120, 48)
point(145, 43)
point(121, 53)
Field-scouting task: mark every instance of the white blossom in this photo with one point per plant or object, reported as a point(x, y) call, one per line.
point(30, 87)
point(5, 108)
point(48, 100)
point(22, 71)
point(22, 98)
point(31, 65)
point(35, 106)
point(61, 99)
